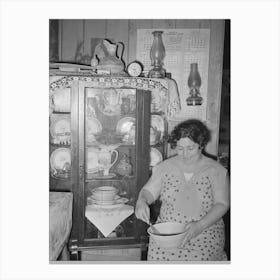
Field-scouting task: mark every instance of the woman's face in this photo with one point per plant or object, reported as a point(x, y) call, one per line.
point(188, 149)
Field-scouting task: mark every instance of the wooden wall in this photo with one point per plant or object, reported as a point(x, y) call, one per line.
point(72, 32)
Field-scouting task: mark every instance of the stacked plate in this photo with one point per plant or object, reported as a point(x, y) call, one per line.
point(60, 162)
point(106, 197)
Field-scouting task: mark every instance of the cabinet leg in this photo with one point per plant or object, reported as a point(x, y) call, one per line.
point(144, 253)
point(75, 256)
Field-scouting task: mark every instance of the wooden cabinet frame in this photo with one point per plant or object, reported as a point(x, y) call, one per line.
point(143, 99)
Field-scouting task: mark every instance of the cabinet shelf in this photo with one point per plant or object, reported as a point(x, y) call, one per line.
point(123, 145)
point(61, 113)
point(60, 145)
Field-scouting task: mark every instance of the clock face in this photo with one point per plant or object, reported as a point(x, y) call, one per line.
point(134, 69)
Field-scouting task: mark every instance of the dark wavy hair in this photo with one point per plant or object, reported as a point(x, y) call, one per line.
point(193, 129)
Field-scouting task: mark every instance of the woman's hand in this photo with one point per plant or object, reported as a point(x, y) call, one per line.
point(193, 229)
point(142, 210)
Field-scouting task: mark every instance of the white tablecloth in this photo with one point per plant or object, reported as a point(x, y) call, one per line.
point(106, 220)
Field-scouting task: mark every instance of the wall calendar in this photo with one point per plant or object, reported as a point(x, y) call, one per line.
point(183, 47)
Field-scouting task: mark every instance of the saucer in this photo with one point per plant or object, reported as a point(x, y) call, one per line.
point(106, 206)
point(65, 175)
point(118, 201)
point(97, 176)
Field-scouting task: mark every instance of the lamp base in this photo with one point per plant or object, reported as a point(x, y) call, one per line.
point(157, 73)
point(194, 101)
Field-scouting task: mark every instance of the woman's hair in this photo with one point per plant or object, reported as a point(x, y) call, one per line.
point(193, 129)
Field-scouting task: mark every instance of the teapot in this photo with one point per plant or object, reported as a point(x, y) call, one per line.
point(106, 53)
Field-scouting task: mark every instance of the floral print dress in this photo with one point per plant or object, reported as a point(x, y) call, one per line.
point(188, 197)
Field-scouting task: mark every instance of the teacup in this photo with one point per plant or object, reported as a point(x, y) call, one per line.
point(104, 193)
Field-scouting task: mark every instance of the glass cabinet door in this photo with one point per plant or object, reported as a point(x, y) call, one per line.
point(113, 152)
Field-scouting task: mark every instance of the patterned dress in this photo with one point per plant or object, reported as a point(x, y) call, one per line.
point(188, 197)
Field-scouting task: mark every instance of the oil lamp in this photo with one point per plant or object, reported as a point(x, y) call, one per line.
point(194, 83)
point(157, 55)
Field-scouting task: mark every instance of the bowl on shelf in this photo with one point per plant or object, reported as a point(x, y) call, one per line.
point(104, 193)
point(167, 234)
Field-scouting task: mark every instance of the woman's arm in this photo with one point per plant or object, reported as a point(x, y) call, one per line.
point(148, 194)
point(215, 214)
point(220, 189)
point(142, 210)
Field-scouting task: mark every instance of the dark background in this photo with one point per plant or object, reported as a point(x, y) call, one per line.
point(224, 133)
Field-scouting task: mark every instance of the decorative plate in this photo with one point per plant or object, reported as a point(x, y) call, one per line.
point(60, 160)
point(156, 102)
point(61, 175)
point(155, 157)
point(60, 100)
point(157, 129)
point(124, 125)
point(93, 127)
point(60, 128)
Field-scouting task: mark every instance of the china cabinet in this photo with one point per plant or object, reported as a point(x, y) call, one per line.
point(106, 131)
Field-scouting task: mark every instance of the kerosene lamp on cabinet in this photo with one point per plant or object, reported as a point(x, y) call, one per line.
point(157, 55)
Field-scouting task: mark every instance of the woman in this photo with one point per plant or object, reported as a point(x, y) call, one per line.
point(193, 190)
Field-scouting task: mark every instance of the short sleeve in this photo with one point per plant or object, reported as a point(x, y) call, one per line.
point(220, 175)
point(220, 184)
point(154, 185)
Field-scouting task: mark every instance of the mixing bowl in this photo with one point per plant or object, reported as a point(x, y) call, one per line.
point(167, 234)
